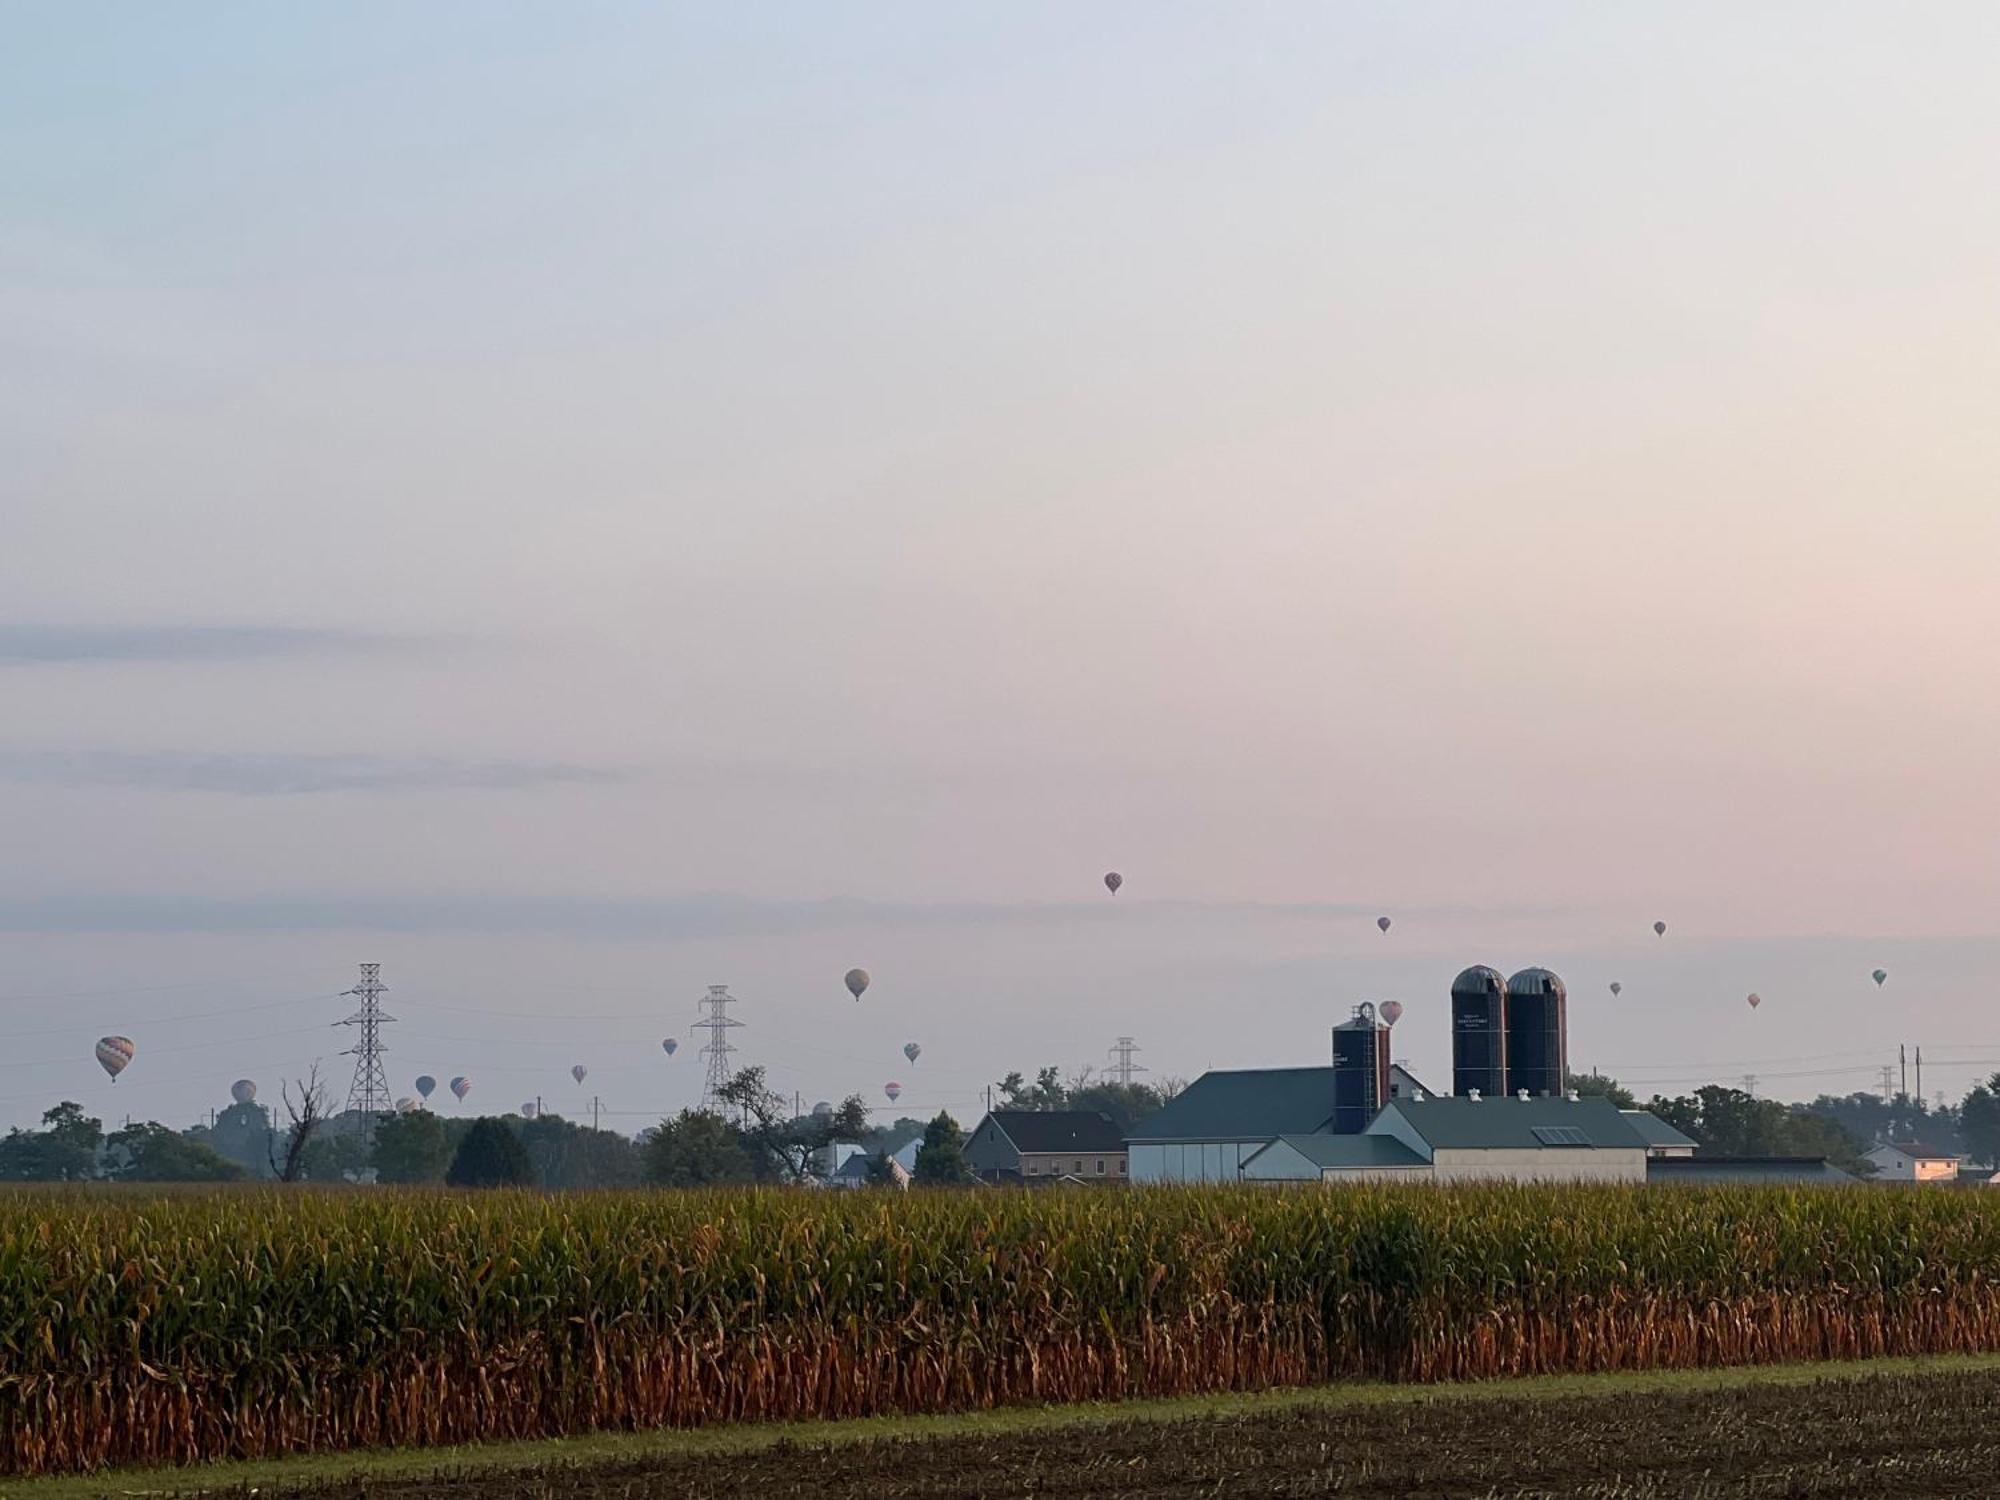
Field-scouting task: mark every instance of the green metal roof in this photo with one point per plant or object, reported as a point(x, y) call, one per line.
point(1513, 1123)
point(1249, 1104)
point(1323, 1150)
point(1743, 1169)
point(1654, 1131)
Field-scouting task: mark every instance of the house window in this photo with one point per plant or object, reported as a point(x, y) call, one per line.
point(1034, 1169)
point(1121, 1166)
point(1077, 1167)
point(1100, 1166)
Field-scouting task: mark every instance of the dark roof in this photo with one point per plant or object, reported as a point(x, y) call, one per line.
point(1513, 1124)
point(1059, 1129)
point(1922, 1152)
point(857, 1165)
point(1743, 1169)
point(1248, 1104)
point(1654, 1131)
point(1324, 1149)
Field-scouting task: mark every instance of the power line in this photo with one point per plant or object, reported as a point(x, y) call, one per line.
point(369, 1093)
point(718, 1024)
point(1122, 1067)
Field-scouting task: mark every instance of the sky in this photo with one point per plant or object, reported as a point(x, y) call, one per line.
point(578, 504)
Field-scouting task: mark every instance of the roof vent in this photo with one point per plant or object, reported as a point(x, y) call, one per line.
point(1522, 1095)
point(1473, 1095)
point(1571, 1096)
point(1417, 1096)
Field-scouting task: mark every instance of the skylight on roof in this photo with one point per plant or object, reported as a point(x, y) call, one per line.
point(1560, 1135)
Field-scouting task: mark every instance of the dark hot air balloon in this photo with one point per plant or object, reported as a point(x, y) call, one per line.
point(1383, 923)
point(426, 1085)
point(1881, 975)
point(461, 1087)
point(579, 1072)
point(1755, 999)
point(670, 1046)
point(857, 981)
point(1659, 929)
point(1112, 880)
point(910, 1050)
point(1617, 988)
point(1391, 1011)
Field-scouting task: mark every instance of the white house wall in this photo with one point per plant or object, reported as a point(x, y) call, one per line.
point(1555, 1164)
point(1336, 1176)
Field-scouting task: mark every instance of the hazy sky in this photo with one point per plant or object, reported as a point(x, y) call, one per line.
point(581, 503)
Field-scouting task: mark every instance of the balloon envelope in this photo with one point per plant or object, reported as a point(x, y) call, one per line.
point(1659, 929)
point(243, 1091)
point(910, 1050)
point(407, 1106)
point(425, 1085)
point(113, 1053)
point(578, 1072)
point(461, 1086)
point(1112, 880)
point(1391, 1011)
point(893, 1090)
point(1617, 988)
point(857, 981)
point(670, 1046)
point(530, 1110)
point(1383, 923)
point(1755, 1000)
point(1880, 975)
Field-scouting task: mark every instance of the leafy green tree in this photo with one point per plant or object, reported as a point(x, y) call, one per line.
point(696, 1149)
point(68, 1125)
point(243, 1134)
point(1126, 1103)
point(152, 1153)
point(40, 1156)
point(491, 1155)
point(566, 1155)
point(784, 1145)
point(1596, 1085)
point(1729, 1122)
point(1979, 1121)
point(941, 1159)
point(335, 1156)
point(411, 1147)
point(1046, 1092)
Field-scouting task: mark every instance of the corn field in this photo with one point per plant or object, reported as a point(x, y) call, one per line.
point(177, 1327)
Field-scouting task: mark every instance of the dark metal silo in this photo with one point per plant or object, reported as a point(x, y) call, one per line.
point(1360, 1071)
point(1537, 1033)
point(1479, 1032)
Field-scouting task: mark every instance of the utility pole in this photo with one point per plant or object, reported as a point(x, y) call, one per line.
point(595, 1102)
point(1903, 1062)
point(368, 1095)
point(1122, 1067)
point(717, 1023)
point(1919, 1095)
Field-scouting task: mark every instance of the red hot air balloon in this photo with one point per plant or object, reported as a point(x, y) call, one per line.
point(893, 1090)
point(1391, 1011)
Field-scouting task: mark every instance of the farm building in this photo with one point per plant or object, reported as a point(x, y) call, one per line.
point(1661, 1138)
point(1745, 1169)
point(1911, 1161)
point(1041, 1145)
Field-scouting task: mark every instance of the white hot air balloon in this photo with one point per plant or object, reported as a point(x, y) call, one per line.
point(114, 1054)
point(893, 1090)
point(1112, 880)
point(1659, 929)
point(911, 1050)
point(856, 981)
point(579, 1072)
point(670, 1046)
point(461, 1087)
point(407, 1106)
point(530, 1110)
point(243, 1091)
point(1383, 923)
point(425, 1085)
point(1391, 1011)
point(1617, 988)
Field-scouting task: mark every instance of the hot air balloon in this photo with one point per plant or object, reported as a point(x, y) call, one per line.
point(530, 1110)
point(1881, 975)
point(425, 1085)
point(1383, 923)
point(893, 1090)
point(579, 1072)
point(1659, 929)
point(1617, 988)
point(113, 1053)
point(243, 1091)
point(1755, 999)
point(1112, 880)
point(670, 1046)
point(857, 981)
point(910, 1050)
point(1391, 1011)
point(461, 1087)
point(407, 1106)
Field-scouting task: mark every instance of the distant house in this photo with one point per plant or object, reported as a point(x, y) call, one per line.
point(1042, 1145)
point(857, 1166)
point(1752, 1169)
point(1403, 1084)
point(1661, 1139)
point(1911, 1161)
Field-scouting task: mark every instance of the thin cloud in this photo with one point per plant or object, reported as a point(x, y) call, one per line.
point(285, 775)
point(27, 643)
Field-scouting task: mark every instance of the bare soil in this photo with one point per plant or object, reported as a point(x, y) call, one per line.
point(1913, 1436)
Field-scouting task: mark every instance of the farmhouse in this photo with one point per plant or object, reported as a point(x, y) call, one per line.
point(1046, 1145)
point(1910, 1161)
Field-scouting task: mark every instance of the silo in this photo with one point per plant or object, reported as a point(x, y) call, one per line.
point(1360, 1071)
point(1537, 1034)
point(1479, 1032)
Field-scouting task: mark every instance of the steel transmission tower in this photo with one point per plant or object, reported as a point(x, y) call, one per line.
point(717, 1024)
point(1122, 1067)
point(369, 1093)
